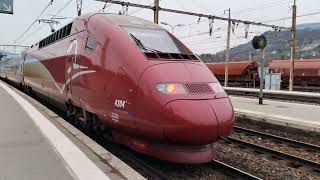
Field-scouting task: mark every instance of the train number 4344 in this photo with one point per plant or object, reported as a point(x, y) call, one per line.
point(119, 103)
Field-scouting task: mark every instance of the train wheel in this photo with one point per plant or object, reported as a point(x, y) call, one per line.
point(28, 90)
point(85, 120)
point(71, 113)
point(78, 117)
point(97, 125)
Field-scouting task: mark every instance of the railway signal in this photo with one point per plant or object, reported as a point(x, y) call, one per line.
point(6, 6)
point(260, 42)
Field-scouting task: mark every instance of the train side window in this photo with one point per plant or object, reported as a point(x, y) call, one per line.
point(91, 44)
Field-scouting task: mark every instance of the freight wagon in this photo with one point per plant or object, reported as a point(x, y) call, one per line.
point(241, 74)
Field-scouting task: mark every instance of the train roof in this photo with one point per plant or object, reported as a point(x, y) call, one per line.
point(117, 19)
point(235, 68)
point(299, 64)
point(124, 20)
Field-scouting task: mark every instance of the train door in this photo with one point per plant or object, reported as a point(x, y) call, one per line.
point(123, 91)
point(69, 70)
point(24, 56)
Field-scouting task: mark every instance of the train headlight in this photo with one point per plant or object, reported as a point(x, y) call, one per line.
point(171, 88)
point(216, 87)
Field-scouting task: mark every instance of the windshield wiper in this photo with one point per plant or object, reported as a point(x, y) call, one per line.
point(141, 45)
point(153, 50)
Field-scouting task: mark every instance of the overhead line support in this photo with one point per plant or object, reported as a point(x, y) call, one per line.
point(79, 7)
point(293, 44)
point(156, 11)
point(123, 3)
point(226, 78)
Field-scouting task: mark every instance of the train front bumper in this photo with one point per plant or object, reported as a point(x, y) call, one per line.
point(197, 122)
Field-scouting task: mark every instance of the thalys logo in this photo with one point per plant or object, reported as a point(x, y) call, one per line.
point(119, 103)
point(82, 70)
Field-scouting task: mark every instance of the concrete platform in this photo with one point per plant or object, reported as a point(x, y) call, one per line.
point(296, 115)
point(37, 144)
point(296, 93)
point(297, 96)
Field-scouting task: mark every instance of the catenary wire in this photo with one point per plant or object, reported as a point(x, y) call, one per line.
point(42, 12)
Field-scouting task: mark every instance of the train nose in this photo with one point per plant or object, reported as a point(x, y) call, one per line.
point(197, 122)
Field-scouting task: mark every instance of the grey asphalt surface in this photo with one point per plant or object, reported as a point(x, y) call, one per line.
point(25, 154)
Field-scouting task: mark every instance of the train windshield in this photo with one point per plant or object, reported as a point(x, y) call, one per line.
point(155, 40)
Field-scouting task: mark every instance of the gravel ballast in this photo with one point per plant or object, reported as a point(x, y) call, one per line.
point(292, 133)
point(260, 165)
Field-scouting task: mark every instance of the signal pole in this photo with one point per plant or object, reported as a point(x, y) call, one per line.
point(262, 76)
point(226, 77)
point(293, 44)
point(156, 11)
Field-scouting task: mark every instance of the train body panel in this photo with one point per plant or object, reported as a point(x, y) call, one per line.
point(12, 69)
point(138, 80)
point(181, 73)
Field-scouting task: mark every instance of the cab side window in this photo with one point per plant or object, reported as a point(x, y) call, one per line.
point(91, 44)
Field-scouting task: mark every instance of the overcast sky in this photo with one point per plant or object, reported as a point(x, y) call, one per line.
point(26, 11)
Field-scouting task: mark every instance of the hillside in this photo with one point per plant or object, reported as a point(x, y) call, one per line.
point(308, 41)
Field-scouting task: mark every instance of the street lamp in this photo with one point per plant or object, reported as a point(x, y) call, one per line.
point(172, 27)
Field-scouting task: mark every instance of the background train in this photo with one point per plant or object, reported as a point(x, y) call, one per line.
point(241, 74)
point(131, 78)
point(306, 73)
point(245, 73)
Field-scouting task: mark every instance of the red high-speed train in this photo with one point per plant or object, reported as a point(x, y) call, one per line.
point(129, 77)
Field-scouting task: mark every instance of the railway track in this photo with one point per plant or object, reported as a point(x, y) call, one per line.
point(279, 138)
point(232, 171)
point(298, 161)
point(139, 164)
point(153, 173)
point(146, 169)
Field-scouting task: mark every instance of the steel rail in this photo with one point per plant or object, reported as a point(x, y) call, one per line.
point(282, 155)
point(279, 138)
point(227, 169)
point(155, 173)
